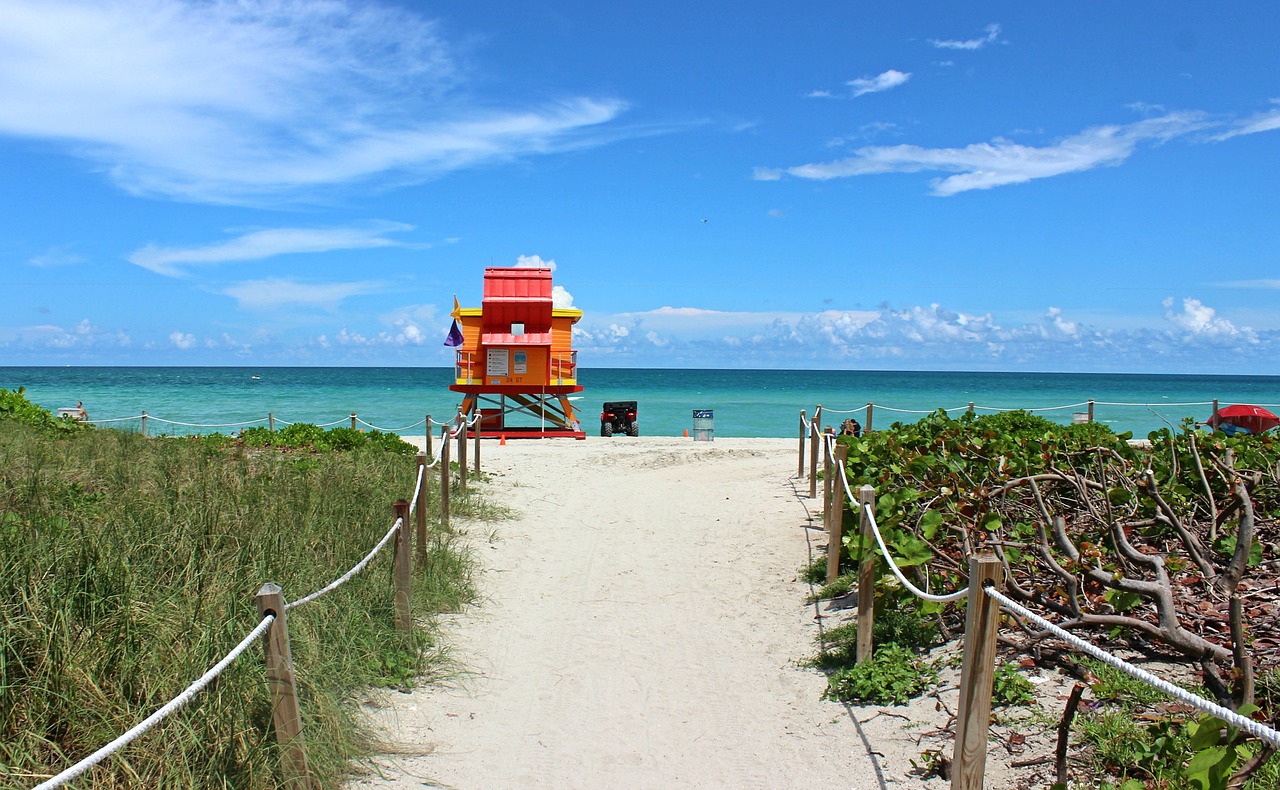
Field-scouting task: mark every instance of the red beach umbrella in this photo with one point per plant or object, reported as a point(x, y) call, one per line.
point(1255, 419)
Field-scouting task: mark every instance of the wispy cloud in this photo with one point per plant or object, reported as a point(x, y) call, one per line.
point(260, 244)
point(1251, 285)
point(60, 255)
point(236, 102)
point(1266, 121)
point(881, 82)
point(1001, 161)
point(273, 293)
point(992, 36)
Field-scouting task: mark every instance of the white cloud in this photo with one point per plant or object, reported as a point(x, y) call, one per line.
point(272, 293)
point(1002, 162)
point(182, 340)
point(241, 102)
point(991, 37)
point(260, 244)
point(1199, 321)
point(926, 336)
point(881, 82)
point(534, 262)
point(1261, 122)
point(560, 297)
point(56, 256)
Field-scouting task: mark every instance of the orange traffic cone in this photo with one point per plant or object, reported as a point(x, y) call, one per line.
point(686, 433)
point(502, 442)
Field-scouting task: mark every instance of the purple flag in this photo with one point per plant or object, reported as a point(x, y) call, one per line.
point(455, 336)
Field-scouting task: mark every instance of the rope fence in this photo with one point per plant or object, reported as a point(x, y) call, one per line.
point(981, 615)
point(273, 630)
point(80, 768)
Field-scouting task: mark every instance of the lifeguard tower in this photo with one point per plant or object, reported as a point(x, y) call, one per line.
point(515, 363)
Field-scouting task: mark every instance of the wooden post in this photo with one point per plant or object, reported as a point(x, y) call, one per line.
point(971, 407)
point(420, 513)
point(271, 422)
point(479, 420)
point(462, 453)
point(835, 527)
point(815, 433)
point(144, 420)
point(977, 674)
point(866, 575)
point(444, 477)
point(870, 408)
point(826, 481)
point(1091, 410)
point(429, 435)
point(1213, 421)
point(403, 576)
point(285, 715)
point(800, 468)
point(353, 421)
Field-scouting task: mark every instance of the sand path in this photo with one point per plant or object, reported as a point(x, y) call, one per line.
point(642, 626)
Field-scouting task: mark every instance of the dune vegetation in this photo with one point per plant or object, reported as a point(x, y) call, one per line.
point(129, 566)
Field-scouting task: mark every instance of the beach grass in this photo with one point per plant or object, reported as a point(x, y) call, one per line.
point(129, 566)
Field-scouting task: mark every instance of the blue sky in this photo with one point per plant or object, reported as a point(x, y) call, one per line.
point(1083, 186)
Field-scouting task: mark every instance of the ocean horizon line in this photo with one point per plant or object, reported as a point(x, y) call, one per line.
point(885, 371)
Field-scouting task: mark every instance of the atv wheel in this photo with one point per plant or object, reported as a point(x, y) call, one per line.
point(606, 429)
point(633, 429)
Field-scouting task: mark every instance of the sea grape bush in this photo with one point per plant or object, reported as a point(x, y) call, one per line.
point(15, 406)
point(1137, 541)
point(305, 436)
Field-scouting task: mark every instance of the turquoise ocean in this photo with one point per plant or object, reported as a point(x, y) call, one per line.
point(745, 403)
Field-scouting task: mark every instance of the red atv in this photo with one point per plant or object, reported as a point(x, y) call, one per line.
point(619, 416)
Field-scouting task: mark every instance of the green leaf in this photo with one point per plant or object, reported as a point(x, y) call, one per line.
point(1204, 760)
point(930, 523)
point(1119, 496)
point(1204, 732)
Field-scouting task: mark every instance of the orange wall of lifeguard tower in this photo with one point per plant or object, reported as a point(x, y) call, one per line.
point(517, 337)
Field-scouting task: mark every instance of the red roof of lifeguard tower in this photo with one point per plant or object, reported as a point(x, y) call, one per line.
point(516, 295)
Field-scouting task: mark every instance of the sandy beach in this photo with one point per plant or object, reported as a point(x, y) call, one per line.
point(642, 624)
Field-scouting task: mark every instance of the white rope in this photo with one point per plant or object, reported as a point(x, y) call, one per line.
point(1257, 729)
point(115, 419)
point(907, 411)
point(999, 409)
point(195, 688)
point(1115, 403)
point(206, 425)
point(346, 577)
point(390, 430)
point(846, 411)
point(914, 590)
point(875, 530)
point(417, 489)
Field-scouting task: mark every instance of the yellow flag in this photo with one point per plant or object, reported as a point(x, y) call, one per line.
point(457, 308)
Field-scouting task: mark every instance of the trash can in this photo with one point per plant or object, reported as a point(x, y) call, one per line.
point(704, 425)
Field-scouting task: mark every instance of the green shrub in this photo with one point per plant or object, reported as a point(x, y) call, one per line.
point(1011, 688)
point(303, 435)
point(15, 406)
point(892, 676)
point(343, 438)
point(390, 442)
point(257, 436)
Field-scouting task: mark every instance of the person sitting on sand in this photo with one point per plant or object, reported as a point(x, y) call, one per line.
point(850, 427)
